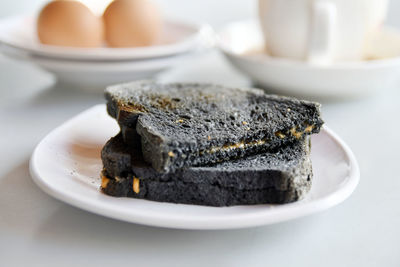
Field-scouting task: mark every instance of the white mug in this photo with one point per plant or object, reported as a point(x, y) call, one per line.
point(320, 31)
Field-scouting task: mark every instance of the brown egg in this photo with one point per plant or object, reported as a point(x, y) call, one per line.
point(69, 23)
point(130, 23)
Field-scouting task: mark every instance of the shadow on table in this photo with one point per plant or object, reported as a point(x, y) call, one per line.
point(30, 213)
point(68, 226)
point(21, 201)
point(63, 94)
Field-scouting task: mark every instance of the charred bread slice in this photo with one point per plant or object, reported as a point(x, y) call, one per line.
point(275, 177)
point(191, 124)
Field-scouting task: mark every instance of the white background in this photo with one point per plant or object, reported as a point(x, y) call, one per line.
point(36, 230)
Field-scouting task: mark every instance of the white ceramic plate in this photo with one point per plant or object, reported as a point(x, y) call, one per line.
point(66, 164)
point(242, 44)
point(19, 33)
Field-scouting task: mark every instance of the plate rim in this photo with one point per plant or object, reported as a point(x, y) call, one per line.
point(250, 220)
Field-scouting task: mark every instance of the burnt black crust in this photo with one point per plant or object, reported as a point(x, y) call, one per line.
point(179, 124)
point(280, 177)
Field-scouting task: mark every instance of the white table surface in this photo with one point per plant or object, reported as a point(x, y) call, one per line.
point(37, 230)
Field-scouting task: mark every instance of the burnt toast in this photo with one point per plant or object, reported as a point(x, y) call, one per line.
point(181, 125)
point(277, 177)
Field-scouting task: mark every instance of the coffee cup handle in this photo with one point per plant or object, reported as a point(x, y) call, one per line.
point(320, 50)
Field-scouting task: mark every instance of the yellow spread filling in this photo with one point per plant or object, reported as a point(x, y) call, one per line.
point(104, 181)
point(309, 128)
point(296, 133)
point(136, 185)
point(280, 135)
point(132, 107)
point(234, 146)
point(292, 131)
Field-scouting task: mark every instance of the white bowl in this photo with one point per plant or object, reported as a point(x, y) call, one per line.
point(242, 44)
point(94, 68)
point(19, 33)
point(98, 75)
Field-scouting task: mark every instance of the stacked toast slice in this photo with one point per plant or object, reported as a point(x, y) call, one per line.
point(208, 144)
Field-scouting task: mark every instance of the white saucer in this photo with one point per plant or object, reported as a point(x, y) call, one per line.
point(19, 33)
point(242, 44)
point(66, 164)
